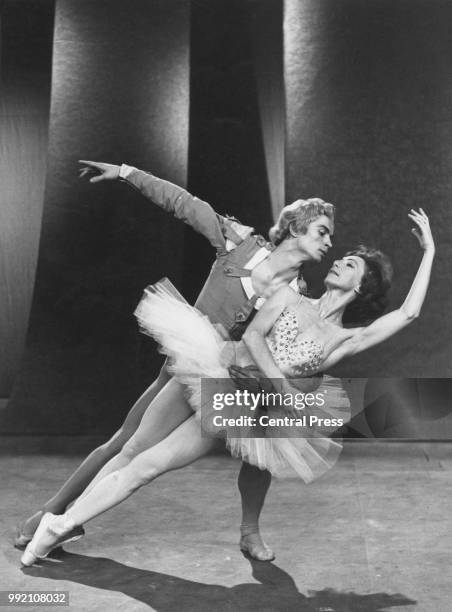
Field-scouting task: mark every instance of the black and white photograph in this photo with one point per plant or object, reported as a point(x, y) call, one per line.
point(225, 291)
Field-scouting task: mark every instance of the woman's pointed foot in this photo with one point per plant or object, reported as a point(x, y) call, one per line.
point(52, 531)
point(253, 545)
point(21, 539)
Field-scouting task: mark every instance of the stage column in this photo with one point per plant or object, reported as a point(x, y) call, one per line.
point(120, 93)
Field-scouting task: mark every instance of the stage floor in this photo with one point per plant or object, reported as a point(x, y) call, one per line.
point(373, 534)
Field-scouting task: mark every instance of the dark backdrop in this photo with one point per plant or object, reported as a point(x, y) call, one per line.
point(369, 127)
point(368, 117)
point(226, 161)
point(120, 92)
point(26, 40)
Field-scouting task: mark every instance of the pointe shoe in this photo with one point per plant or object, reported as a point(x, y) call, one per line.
point(256, 551)
point(48, 536)
point(29, 557)
point(21, 539)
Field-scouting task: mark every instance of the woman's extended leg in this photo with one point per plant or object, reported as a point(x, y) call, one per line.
point(83, 475)
point(181, 447)
point(168, 410)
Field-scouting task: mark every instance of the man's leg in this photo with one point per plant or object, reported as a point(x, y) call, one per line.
point(83, 475)
point(253, 486)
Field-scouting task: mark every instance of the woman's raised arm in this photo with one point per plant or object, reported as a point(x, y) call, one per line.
point(386, 326)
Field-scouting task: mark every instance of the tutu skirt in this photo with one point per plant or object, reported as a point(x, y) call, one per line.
point(200, 351)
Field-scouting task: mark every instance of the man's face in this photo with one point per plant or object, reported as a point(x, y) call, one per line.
point(317, 239)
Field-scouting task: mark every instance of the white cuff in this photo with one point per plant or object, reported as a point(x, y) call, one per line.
point(125, 170)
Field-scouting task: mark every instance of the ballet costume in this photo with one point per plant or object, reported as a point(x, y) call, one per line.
point(201, 356)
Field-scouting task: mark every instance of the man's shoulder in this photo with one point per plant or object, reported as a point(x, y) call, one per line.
point(236, 232)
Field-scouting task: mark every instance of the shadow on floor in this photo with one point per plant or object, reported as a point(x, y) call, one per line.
point(165, 593)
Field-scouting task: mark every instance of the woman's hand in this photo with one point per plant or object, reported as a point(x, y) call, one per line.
point(423, 232)
point(101, 171)
point(307, 384)
point(249, 378)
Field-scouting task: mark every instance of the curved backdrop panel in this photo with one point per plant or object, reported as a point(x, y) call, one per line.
point(369, 127)
point(26, 37)
point(120, 93)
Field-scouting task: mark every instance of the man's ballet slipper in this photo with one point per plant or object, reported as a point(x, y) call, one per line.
point(255, 550)
point(21, 540)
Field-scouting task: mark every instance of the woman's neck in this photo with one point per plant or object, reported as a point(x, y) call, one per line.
point(332, 303)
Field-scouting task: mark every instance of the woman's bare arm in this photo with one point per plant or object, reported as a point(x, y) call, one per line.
point(386, 326)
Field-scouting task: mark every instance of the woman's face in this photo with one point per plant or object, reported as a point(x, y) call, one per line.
point(346, 273)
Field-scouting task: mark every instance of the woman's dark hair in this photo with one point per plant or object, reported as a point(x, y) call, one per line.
point(372, 300)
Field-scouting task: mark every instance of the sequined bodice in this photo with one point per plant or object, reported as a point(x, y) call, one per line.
point(293, 355)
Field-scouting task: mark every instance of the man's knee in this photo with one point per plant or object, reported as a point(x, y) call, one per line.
point(132, 422)
point(115, 444)
point(131, 449)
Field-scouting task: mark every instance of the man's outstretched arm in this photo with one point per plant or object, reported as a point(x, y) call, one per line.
point(172, 198)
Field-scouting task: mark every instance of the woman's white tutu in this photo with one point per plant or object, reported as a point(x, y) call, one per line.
point(197, 350)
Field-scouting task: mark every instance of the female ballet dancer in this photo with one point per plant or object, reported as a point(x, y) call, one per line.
point(247, 270)
point(290, 336)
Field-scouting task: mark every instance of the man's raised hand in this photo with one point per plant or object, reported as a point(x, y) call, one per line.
point(98, 171)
